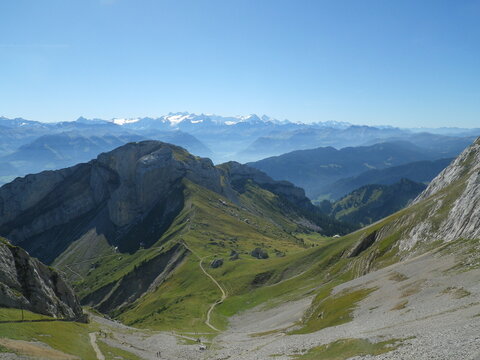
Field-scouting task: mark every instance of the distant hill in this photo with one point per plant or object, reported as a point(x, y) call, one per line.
point(418, 171)
point(317, 169)
point(445, 146)
point(311, 137)
point(239, 138)
point(373, 202)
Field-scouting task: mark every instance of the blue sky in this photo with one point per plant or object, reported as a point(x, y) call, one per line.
point(403, 63)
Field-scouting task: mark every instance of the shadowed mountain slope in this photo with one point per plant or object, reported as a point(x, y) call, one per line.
point(418, 171)
point(370, 203)
point(316, 170)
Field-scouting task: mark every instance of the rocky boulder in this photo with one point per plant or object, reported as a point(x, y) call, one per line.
point(234, 255)
point(216, 263)
point(259, 253)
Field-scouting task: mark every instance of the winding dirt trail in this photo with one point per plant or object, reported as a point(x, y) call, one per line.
point(212, 307)
point(224, 293)
point(93, 341)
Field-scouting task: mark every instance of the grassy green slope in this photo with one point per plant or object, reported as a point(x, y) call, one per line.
point(68, 337)
point(211, 226)
point(354, 260)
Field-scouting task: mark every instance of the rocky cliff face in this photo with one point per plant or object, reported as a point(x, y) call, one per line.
point(238, 175)
point(454, 198)
point(46, 212)
point(27, 283)
point(133, 192)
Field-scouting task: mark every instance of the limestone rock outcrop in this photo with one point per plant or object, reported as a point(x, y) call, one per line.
point(238, 175)
point(46, 212)
point(28, 284)
point(114, 196)
point(460, 214)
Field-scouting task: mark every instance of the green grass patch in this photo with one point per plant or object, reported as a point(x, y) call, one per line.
point(333, 310)
point(456, 292)
point(3, 349)
point(68, 337)
point(178, 304)
point(347, 348)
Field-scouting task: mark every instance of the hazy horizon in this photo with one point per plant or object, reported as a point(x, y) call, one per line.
point(239, 115)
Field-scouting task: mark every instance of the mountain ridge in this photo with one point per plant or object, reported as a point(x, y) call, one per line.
point(124, 185)
point(372, 202)
point(418, 171)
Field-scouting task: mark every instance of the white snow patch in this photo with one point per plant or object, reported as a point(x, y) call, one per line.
point(123, 121)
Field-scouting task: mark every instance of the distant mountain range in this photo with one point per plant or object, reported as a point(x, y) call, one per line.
point(221, 138)
point(418, 171)
point(30, 146)
point(330, 173)
point(373, 202)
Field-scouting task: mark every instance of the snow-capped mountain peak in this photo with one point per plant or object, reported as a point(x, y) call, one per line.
point(123, 121)
point(179, 119)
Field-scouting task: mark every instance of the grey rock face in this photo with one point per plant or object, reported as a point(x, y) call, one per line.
point(466, 164)
point(216, 263)
point(259, 253)
point(454, 200)
point(27, 283)
point(115, 195)
point(46, 212)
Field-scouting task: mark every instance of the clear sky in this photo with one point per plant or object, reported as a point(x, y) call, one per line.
point(403, 63)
